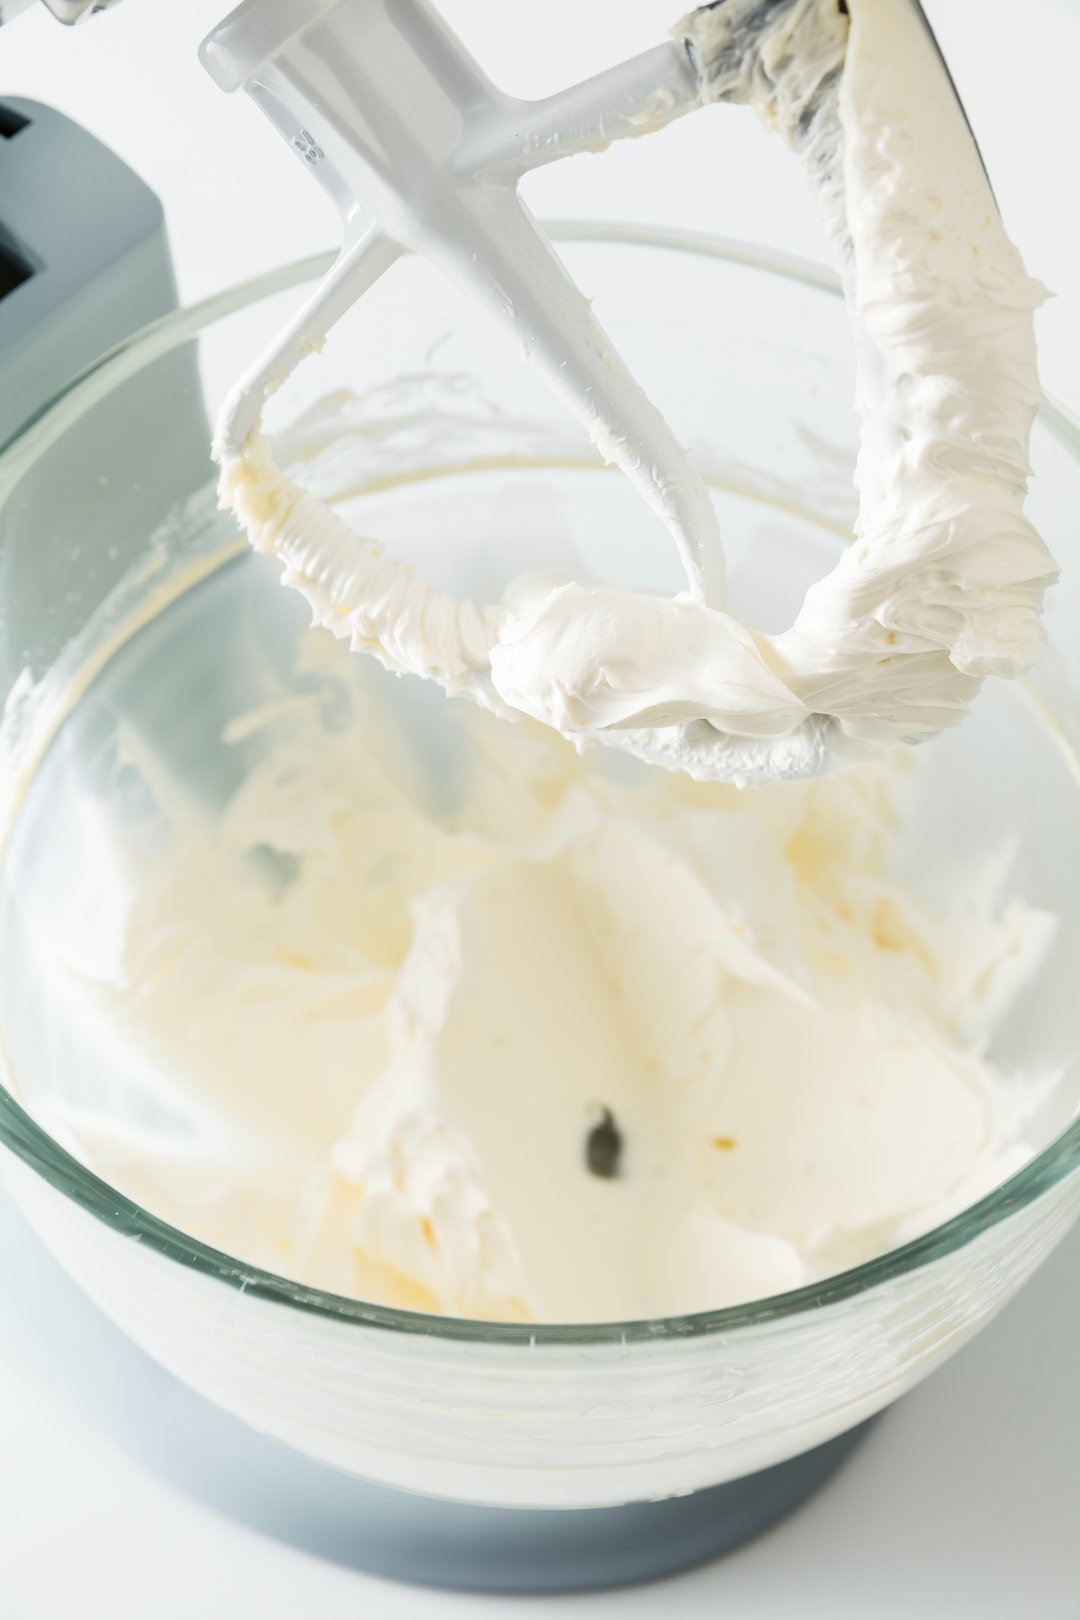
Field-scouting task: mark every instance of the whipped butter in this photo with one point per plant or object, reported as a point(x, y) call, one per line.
point(530, 1036)
point(540, 1036)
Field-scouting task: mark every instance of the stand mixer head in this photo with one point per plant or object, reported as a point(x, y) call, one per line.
point(420, 152)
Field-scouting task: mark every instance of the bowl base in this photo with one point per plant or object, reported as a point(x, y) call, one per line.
point(204, 1452)
point(523, 1551)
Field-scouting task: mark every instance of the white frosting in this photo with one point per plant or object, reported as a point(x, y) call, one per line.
point(408, 1030)
point(944, 580)
point(383, 1016)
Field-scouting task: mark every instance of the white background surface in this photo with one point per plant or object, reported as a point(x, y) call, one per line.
point(966, 1500)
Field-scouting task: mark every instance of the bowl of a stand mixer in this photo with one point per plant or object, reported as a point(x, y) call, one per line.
point(117, 624)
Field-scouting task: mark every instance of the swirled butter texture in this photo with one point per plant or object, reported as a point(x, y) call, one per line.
point(530, 1036)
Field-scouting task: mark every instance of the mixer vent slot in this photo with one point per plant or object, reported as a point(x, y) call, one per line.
point(11, 122)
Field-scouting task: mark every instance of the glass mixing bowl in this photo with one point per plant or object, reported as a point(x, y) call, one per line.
point(126, 598)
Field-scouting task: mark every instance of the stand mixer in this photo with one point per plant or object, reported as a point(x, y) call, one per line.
point(453, 1542)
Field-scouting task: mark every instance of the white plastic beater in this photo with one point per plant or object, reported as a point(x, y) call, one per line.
point(421, 152)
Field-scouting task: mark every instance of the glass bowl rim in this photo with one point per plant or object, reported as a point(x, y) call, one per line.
point(44, 1156)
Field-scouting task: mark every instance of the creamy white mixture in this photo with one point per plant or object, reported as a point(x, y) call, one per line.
point(558, 1041)
point(944, 580)
point(542, 1039)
